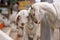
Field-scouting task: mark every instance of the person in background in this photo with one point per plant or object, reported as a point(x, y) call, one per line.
point(14, 11)
point(15, 6)
point(36, 1)
point(49, 1)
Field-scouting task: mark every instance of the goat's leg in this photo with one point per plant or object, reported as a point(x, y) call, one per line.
point(51, 33)
point(56, 34)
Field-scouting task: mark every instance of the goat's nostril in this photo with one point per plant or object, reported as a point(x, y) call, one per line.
point(39, 22)
point(22, 24)
point(36, 22)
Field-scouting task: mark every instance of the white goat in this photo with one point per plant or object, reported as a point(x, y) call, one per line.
point(38, 10)
point(22, 19)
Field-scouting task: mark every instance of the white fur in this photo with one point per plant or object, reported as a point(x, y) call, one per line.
point(42, 8)
point(23, 17)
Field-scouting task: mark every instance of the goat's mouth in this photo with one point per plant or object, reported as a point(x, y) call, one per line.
point(22, 24)
point(36, 22)
point(34, 19)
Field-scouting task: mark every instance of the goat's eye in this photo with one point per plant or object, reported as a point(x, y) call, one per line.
point(18, 17)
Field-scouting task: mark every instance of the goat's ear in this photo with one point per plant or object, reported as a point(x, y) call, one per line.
point(17, 18)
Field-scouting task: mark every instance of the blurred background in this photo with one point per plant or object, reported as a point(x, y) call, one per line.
point(9, 9)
